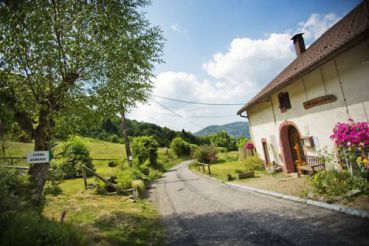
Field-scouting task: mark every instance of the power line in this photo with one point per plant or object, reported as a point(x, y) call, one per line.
point(197, 116)
point(175, 113)
point(200, 103)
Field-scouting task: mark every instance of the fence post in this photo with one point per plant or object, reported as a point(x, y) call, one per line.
point(209, 169)
point(84, 177)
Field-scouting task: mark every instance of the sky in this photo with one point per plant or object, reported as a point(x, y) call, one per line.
point(224, 52)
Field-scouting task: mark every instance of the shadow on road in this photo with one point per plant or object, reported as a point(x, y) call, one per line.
point(250, 228)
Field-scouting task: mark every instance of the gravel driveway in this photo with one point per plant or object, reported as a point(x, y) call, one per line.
point(196, 210)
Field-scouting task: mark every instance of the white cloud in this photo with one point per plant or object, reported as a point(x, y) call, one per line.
point(316, 25)
point(234, 76)
point(251, 62)
point(177, 28)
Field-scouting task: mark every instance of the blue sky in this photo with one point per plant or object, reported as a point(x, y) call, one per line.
point(224, 51)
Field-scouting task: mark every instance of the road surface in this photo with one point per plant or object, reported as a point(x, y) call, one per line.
point(196, 210)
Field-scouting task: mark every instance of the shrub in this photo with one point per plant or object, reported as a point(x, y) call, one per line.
point(14, 193)
point(238, 170)
point(31, 228)
point(253, 163)
point(145, 148)
point(101, 187)
point(180, 147)
point(74, 154)
point(154, 174)
point(206, 154)
point(124, 180)
point(52, 188)
point(139, 185)
point(331, 183)
point(114, 138)
point(112, 164)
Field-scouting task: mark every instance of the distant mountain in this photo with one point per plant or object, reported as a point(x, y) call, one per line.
point(235, 129)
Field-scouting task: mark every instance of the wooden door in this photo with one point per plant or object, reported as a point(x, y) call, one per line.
point(295, 144)
point(265, 150)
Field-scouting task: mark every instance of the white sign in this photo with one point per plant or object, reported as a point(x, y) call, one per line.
point(37, 157)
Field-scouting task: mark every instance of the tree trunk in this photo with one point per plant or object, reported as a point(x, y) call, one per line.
point(126, 140)
point(39, 172)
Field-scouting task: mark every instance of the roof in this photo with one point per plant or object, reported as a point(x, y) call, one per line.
point(349, 31)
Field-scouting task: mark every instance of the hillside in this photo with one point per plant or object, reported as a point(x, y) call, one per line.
point(235, 129)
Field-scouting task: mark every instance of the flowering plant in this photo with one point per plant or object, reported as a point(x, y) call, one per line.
point(249, 146)
point(351, 134)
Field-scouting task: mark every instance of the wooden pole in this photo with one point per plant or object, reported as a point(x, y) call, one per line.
point(101, 178)
point(126, 139)
point(84, 177)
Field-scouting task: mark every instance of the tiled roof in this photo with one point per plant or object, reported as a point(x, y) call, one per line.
point(350, 30)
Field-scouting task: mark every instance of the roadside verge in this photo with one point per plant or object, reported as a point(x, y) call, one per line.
point(335, 207)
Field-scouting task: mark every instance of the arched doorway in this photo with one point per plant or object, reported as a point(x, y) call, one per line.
point(290, 140)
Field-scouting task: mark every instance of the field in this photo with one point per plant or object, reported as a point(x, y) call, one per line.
point(103, 219)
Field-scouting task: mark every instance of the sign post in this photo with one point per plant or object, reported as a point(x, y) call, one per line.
point(39, 157)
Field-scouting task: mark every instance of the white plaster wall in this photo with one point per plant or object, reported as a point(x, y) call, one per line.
point(351, 69)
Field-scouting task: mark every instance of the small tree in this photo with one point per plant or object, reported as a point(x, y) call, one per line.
point(222, 139)
point(206, 154)
point(74, 154)
point(145, 148)
point(180, 147)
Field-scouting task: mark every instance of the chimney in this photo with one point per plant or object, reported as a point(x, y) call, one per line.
point(299, 43)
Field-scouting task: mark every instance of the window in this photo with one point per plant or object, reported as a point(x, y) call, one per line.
point(284, 101)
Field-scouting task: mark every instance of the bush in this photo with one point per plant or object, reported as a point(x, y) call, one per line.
point(101, 187)
point(52, 188)
point(331, 183)
point(74, 154)
point(139, 185)
point(154, 174)
point(114, 138)
point(180, 147)
point(112, 164)
point(124, 180)
point(145, 148)
point(14, 193)
point(238, 170)
point(253, 163)
point(31, 228)
point(206, 154)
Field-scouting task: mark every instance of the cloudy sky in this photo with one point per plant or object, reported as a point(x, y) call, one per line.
point(225, 51)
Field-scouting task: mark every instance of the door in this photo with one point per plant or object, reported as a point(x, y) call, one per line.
point(295, 145)
point(265, 150)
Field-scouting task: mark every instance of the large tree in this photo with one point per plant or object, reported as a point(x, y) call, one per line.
point(129, 74)
point(57, 54)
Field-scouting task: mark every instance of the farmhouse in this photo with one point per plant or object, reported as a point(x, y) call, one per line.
point(293, 116)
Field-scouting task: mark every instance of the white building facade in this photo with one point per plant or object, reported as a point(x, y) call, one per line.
point(326, 84)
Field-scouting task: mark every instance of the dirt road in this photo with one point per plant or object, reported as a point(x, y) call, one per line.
point(196, 210)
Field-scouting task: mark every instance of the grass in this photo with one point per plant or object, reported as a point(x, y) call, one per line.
point(105, 220)
point(220, 170)
point(168, 159)
point(109, 219)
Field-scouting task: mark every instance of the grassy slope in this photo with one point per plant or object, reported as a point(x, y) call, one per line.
point(98, 150)
point(105, 220)
point(227, 163)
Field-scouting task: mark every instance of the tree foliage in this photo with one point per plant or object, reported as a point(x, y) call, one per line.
point(145, 148)
point(180, 147)
point(58, 57)
point(222, 139)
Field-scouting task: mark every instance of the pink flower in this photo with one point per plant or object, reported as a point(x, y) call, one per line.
point(249, 146)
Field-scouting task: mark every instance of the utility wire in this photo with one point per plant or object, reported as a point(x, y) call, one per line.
point(175, 113)
point(197, 116)
point(200, 103)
